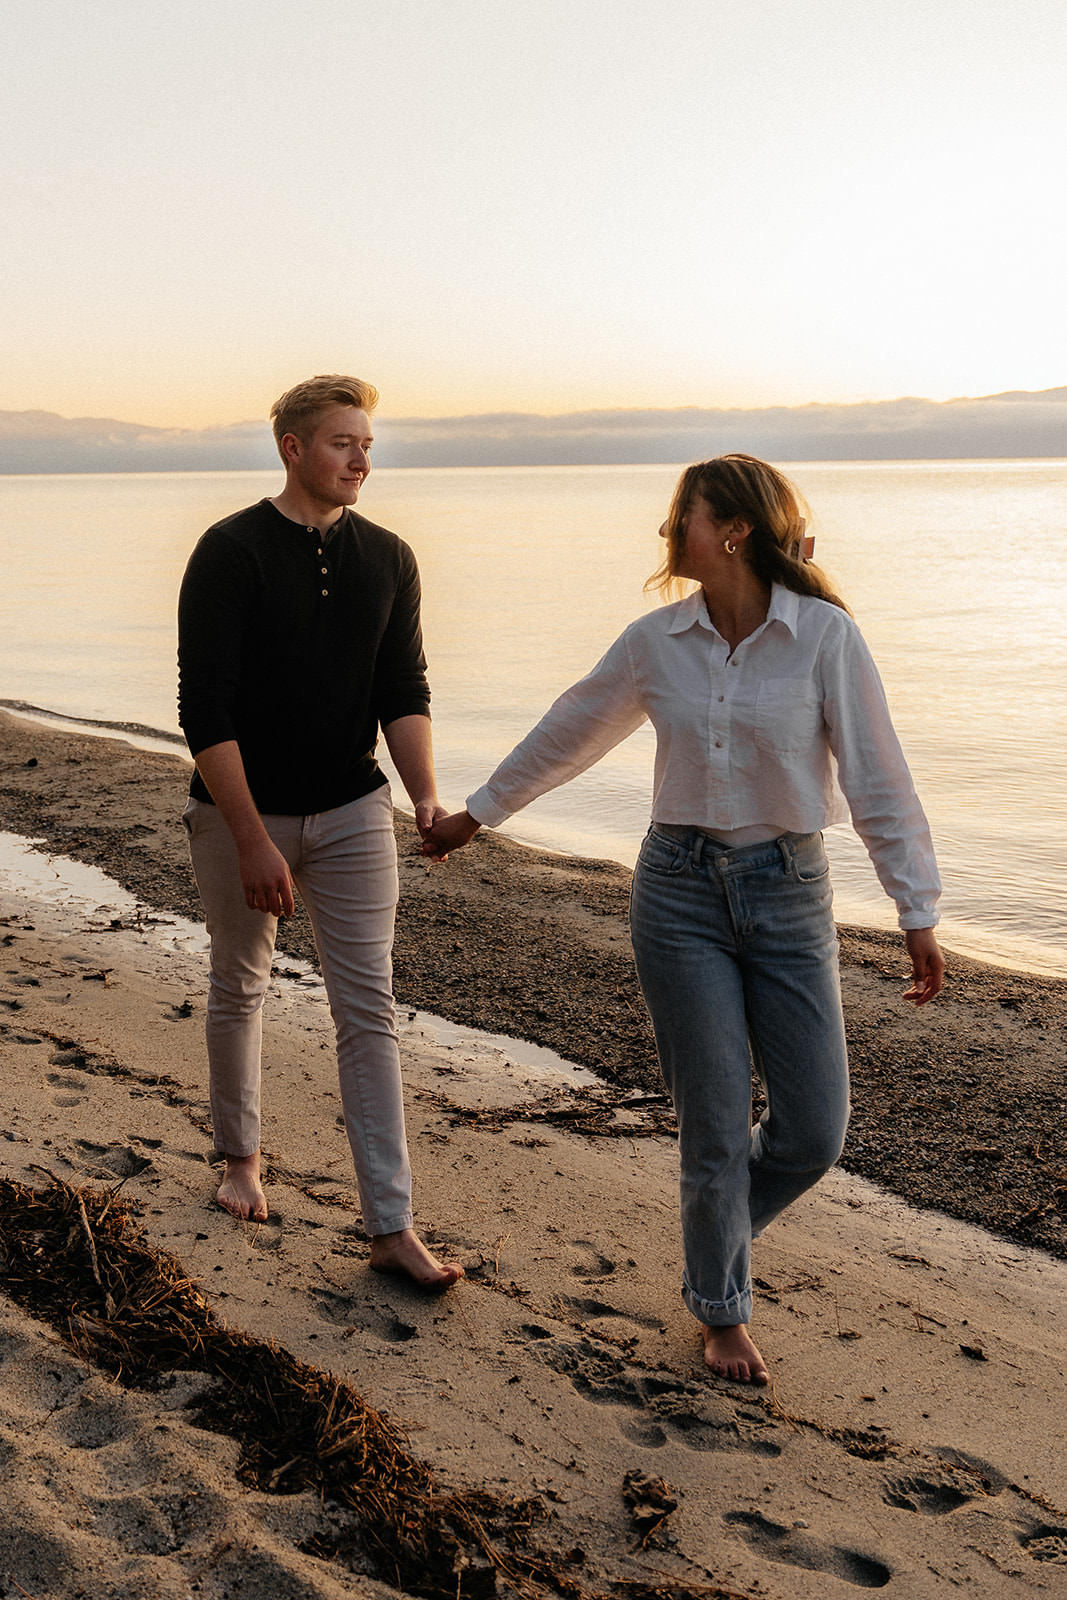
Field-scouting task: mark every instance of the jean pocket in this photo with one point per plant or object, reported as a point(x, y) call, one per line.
point(808, 858)
point(663, 855)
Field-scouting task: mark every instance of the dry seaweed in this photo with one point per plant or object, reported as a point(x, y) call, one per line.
point(651, 1501)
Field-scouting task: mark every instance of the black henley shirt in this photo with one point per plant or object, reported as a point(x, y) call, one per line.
point(299, 646)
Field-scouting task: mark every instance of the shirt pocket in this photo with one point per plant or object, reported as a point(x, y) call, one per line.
point(787, 717)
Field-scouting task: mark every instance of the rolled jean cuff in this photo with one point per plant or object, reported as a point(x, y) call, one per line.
point(718, 1313)
point(397, 1224)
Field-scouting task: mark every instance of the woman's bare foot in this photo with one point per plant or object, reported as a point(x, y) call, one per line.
point(405, 1253)
point(240, 1192)
point(731, 1353)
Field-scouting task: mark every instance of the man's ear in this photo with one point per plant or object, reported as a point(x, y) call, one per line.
point(290, 446)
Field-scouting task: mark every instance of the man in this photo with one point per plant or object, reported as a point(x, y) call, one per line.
point(299, 636)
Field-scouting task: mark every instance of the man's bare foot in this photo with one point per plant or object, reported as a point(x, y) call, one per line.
point(240, 1192)
point(731, 1353)
point(405, 1253)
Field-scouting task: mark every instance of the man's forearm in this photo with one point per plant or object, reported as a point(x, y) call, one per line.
point(410, 741)
point(223, 771)
point(265, 875)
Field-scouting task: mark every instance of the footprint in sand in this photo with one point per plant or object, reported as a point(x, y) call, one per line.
point(70, 1088)
point(587, 1307)
point(69, 1058)
point(91, 1423)
point(331, 1307)
point(656, 1406)
point(17, 1035)
point(1046, 1542)
point(792, 1548)
point(267, 1235)
point(987, 1478)
point(180, 1154)
point(936, 1494)
point(590, 1264)
point(343, 1311)
point(115, 1158)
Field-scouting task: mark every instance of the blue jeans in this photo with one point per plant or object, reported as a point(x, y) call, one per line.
point(736, 953)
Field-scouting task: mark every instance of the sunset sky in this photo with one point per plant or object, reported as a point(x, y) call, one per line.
point(484, 206)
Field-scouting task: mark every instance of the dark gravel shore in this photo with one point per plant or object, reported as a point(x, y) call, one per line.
point(959, 1107)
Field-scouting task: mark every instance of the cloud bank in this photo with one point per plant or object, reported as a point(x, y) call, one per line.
point(995, 426)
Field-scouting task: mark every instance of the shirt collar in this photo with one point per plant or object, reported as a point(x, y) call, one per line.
point(784, 608)
point(306, 528)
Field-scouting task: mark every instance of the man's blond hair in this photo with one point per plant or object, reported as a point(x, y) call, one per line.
point(299, 409)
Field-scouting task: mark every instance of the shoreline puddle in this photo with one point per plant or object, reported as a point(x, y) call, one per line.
point(31, 872)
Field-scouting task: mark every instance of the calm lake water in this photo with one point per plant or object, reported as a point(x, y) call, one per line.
point(956, 571)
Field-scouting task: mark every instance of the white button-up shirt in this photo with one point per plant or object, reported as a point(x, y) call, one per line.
point(766, 737)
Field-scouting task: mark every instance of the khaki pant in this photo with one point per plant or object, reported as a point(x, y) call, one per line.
point(344, 865)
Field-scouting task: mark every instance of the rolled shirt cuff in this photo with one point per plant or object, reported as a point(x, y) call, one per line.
point(918, 917)
point(485, 810)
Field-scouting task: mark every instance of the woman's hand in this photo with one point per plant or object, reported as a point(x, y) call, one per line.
point(927, 965)
point(449, 833)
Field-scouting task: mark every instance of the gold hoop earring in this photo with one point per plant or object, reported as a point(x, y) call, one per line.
point(728, 547)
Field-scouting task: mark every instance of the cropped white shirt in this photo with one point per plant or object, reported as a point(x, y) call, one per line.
point(766, 737)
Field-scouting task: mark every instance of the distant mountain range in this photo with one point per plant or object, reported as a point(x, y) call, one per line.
point(1017, 423)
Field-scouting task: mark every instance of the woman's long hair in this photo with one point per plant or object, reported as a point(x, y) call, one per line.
point(742, 486)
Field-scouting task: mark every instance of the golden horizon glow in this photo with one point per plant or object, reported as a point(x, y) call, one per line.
point(594, 207)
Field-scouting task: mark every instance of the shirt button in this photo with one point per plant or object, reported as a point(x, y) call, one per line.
point(722, 697)
point(325, 592)
point(325, 571)
point(718, 744)
point(318, 552)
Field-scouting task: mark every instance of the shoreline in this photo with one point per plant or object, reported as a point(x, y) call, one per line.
point(973, 945)
point(959, 1108)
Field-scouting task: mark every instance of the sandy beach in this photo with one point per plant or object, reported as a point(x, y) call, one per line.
point(554, 1428)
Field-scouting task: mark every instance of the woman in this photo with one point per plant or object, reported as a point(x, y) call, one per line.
point(758, 683)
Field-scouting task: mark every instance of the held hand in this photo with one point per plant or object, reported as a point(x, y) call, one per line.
point(927, 965)
point(449, 833)
point(268, 884)
point(427, 812)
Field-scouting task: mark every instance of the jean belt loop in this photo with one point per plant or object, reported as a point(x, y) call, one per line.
point(785, 845)
point(696, 852)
